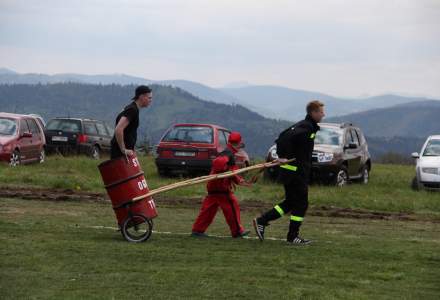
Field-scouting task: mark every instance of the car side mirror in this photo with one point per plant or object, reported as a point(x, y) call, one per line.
point(415, 155)
point(26, 134)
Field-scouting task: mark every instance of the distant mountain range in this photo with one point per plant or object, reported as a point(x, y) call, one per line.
point(270, 101)
point(416, 119)
point(288, 104)
point(11, 77)
point(202, 91)
point(170, 105)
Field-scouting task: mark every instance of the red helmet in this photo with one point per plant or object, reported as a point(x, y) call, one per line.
point(234, 137)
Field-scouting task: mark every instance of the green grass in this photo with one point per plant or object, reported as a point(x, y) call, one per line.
point(388, 190)
point(49, 251)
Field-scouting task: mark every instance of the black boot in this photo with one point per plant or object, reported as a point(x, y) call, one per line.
point(263, 221)
point(293, 230)
point(259, 227)
point(292, 236)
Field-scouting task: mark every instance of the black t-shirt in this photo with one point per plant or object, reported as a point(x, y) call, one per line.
point(131, 112)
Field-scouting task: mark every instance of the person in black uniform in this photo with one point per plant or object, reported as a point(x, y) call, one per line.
point(127, 122)
point(297, 142)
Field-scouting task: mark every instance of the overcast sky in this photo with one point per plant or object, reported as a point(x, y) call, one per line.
point(344, 48)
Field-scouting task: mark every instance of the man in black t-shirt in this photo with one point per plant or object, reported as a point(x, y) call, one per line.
point(127, 122)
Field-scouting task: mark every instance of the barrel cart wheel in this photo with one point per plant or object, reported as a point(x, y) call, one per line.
point(137, 228)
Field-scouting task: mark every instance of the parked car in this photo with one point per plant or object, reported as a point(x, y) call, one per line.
point(428, 165)
point(78, 136)
point(21, 139)
point(340, 155)
point(190, 148)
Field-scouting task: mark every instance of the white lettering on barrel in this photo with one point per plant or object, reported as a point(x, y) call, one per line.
point(152, 205)
point(135, 162)
point(142, 184)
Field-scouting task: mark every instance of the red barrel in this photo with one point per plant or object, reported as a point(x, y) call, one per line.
point(124, 180)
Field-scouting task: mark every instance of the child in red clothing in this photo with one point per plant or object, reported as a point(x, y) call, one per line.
point(221, 193)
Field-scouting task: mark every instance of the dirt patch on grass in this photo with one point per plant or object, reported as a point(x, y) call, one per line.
point(51, 195)
point(246, 205)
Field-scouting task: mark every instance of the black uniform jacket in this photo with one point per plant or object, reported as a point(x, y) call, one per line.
point(301, 148)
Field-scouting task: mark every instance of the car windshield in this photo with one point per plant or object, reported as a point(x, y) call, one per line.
point(7, 126)
point(329, 136)
point(432, 148)
point(190, 134)
point(64, 125)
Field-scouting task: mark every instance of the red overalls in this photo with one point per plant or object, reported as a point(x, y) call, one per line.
point(220, 194)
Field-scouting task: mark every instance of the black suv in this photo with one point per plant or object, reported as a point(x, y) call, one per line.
point(340, 155)
point(78, 136)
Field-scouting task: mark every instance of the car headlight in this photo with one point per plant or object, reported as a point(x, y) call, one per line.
point(430, 170)
point(325, 157)
point(274, 153)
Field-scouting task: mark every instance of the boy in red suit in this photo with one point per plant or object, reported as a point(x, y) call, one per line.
point(221, 193)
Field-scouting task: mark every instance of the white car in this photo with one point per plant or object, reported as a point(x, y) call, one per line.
point(428, 165)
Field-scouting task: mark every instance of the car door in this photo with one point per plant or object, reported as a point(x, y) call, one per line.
point(92, 132)
point(353, 154)
point(110, 130)
point(24, 142)
point(222, 140)
point(362, 148)
point(104, 136)
point(36, 140)
point(349, 154)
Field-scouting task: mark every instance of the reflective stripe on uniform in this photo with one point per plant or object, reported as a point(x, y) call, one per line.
point(312, 136)
point(279, 210)
point(289, 167)
point(296, 218)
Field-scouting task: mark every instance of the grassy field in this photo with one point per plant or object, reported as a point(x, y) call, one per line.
point(389, 189)
point(53, 250)
point(68, 250)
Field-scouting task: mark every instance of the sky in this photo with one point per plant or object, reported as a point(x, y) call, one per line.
point(344, 48)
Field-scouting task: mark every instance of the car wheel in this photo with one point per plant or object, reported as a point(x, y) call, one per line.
point(365, 175)
point(95, 152)
point(415, 184)
point(42, 156)
point(341, 177)
point(15, 159)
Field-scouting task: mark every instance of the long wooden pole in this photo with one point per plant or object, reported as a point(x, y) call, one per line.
point(207, 178)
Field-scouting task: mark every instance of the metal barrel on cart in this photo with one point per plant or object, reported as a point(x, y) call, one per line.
point(125, 183)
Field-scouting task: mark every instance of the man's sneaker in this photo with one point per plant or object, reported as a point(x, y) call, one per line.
point(199, 234)
point(297, 241)
point(243, 234)
point(259, 229)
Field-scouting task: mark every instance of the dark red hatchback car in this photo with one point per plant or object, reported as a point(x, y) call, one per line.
point(21, 139)
point(190, 148)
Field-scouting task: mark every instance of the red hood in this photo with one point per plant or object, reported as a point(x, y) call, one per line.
point(4, 139)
